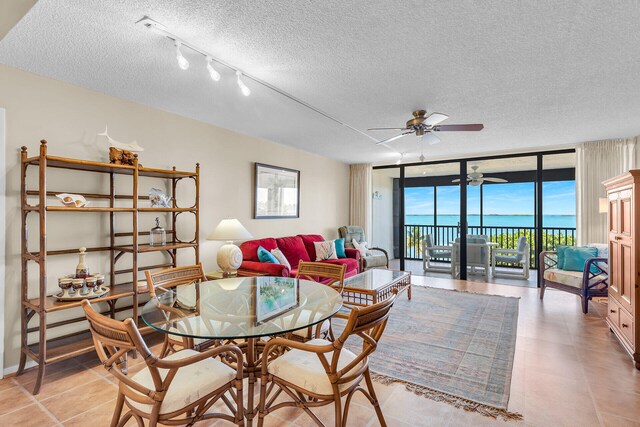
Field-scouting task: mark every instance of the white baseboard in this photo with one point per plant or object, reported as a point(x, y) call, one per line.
point(14, 368)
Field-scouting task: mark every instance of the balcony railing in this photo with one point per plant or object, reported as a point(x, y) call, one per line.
point(505, 237)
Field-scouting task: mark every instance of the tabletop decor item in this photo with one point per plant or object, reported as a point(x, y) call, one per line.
point(119, 152)
point(275, 296)
point(229, 255)
point(158, 199)
point(72, 200)
point(277, 192)
point(82, 270)
point(158, 236)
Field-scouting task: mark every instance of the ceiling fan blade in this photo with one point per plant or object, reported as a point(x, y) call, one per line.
point(434, 118)
point(459, 128)
point(387, 129)
point(431, 138)
point(494, 179)
point(393, 138)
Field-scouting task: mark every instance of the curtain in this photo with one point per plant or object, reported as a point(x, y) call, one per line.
point(596, 162)
point(360, 197)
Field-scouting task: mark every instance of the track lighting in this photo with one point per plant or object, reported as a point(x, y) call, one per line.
point(182, 61)
point(400, 159)
point(243, 88)
point(215, 75)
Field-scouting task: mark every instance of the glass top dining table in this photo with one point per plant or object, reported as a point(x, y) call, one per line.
point(241, 307)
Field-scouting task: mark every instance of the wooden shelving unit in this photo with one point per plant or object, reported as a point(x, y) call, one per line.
point(44, 350)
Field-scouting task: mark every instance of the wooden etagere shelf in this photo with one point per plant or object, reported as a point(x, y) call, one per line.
point(124, 282)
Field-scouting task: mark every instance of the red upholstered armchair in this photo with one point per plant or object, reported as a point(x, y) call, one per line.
point(295, 249)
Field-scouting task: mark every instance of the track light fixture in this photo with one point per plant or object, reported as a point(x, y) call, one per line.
point(243, 88)
point(215, 75)
point(400, 159)
point(182, 61)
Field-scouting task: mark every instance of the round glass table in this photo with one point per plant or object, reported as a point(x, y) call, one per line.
point(242, 310)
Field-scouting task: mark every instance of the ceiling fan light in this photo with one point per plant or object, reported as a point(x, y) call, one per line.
point(475, 183)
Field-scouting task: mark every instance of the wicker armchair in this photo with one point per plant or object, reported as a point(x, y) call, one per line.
point(378, 258)
point(176, 390)
point(593, 281)
point(328, 368)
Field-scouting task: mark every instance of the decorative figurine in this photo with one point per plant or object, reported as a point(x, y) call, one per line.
point(158, 236)
point(119, 152)
point(158, 199)
point(82, 270)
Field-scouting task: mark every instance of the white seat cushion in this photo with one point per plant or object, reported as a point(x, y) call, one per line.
point(191, 383)
point(569, 278)
point(304, 333)
point(303, 368)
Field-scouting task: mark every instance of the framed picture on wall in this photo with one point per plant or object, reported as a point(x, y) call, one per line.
point(277, 192)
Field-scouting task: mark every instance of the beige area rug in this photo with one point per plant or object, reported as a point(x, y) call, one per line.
point(450, 346)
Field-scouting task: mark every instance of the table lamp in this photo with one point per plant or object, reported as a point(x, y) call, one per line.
point(229, 255)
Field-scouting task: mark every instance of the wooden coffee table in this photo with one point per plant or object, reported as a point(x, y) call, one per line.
point(375, 285)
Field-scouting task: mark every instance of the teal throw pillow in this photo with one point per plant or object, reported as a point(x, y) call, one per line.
point(560, 250)
point(266, 256)
point(575, 257)
point(340, 248)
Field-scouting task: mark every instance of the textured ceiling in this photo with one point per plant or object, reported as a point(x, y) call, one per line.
point(538, 74)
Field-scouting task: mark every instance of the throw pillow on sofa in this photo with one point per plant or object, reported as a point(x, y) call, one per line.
point(325, 250)
point(340, 248)
point(265, 256)
point(280, 257)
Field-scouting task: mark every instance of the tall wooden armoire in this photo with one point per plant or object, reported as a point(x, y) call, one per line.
point(623, 194)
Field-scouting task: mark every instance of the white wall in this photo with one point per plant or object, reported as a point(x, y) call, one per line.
point(2, 235)
point(69, 117)
point(382, 230)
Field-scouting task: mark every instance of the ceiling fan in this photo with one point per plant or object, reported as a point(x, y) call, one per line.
point(476, 178)
point(425, 126)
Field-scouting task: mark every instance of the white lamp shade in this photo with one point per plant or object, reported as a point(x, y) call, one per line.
point(229, 230)
point(603, 205)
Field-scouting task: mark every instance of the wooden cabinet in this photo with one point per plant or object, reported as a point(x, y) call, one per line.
point(623, 193)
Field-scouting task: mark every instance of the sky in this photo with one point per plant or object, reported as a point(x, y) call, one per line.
point(559, 198)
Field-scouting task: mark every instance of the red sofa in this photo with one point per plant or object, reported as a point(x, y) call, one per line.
point(295, 249)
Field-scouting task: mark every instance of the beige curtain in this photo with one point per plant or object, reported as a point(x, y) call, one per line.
point(596, 162)
point(360, 197)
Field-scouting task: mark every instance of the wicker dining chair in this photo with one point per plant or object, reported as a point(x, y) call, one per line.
point(166, 280)
point(175, 390)
point(328, 274)
point(320, 372)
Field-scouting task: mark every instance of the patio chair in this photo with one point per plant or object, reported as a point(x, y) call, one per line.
point(518, 256)
point(166, 280)
point(478, 256)
point(377, 257)
point(432, 252)
point(592, 281)
point(175, 390)
point(320, 372)
point(328, 274)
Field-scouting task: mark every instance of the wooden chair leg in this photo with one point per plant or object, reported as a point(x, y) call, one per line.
point(337, 406)
point(263, 400)
point(117, 412)
point(375, 403)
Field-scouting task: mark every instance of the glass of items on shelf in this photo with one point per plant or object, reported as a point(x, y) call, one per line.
point(82, 284)
point(158, 235)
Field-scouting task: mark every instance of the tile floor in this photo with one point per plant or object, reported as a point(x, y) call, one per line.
point(569, 371)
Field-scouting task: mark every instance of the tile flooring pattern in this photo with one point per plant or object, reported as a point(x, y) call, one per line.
point(569, 371)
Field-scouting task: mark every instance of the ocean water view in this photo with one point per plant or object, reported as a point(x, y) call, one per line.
point(550, 221)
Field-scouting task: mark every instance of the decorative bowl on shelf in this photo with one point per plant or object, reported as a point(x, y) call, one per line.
point(72, 200)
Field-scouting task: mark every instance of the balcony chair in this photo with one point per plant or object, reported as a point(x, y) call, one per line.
point(478, 255)
point(175, 390)
point(519, 257)
point(165, 280)
point(592, 281)
point(371, 260)
point(432, 252)
point(328, 274)
point(319, 372)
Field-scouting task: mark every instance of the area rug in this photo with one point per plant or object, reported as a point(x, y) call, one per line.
point(451, 346)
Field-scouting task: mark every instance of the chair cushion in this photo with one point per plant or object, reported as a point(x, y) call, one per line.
point(191, 383)
point(512, 259)
point(303, 368)
point(569, 278)
point(250, 248)
point(309, 240)
point(304, 333)
point(293, 249)
point(576, 257)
